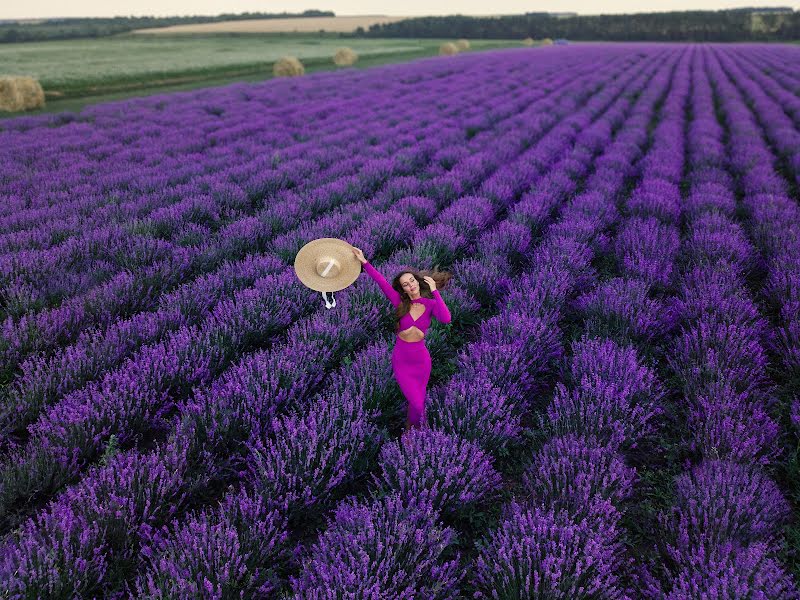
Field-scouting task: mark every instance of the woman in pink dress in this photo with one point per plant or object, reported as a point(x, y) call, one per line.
point(411, 361)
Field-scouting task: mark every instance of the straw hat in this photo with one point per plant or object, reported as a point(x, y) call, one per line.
point(327, 265)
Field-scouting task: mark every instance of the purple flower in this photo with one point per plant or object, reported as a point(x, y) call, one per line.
point(710, 351)
point(646, 248)
point(233, 550)
point(572, 473)
point(726, 571)
point(621, 308)
point(720, 501)
point(537, 553)
point(312, 450)
point(472, 407)
point(450, 473)
point(731, 425)
point(387, 548)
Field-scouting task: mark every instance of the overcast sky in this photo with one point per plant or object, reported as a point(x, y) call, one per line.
point(109, 8)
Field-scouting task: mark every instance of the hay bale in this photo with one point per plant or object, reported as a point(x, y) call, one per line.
point(528, 41)
point(20, 93)
point(462, 45)
point(547, 42)
point(288, 66)
point(448, 49)
point(345, 57)
point(31, 92)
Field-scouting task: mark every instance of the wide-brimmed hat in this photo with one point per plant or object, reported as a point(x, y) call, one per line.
point(327, 265)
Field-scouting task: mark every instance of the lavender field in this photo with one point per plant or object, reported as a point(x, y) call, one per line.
point(614, 409)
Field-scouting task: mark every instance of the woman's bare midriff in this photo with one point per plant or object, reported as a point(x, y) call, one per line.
point(412, 334)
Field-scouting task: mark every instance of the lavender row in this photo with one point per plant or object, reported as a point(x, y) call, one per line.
point(775, 221)
point(719, 536)
point(44, 378)
point(112, 133)
point(294, 137)
point(258, 405)
point(127, 293)
point(183, 453)
point(578, 481)
point(40, 278)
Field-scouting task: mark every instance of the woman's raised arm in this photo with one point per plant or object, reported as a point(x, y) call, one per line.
point(386, 287)
point(440, 310)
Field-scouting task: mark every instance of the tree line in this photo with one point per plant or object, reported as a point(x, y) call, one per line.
point(69, 28)
point(745, 24)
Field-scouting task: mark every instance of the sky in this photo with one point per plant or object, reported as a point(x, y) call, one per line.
point(110, 8)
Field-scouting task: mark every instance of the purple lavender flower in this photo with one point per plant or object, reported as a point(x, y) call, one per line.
point(710, 351)
point(474, 409)
point(59, 555)
point(621, 308)
point(731, 425)
point(450, 473)
point(520, 351)
point(726, 571)
point(598, 358)
point(387, 548)
point(572, 473)
point(602, 409)
point(721, 501)
point(544, 554)
point(312, 450)
point(716, 238)
point(714, 293)
point(233, 550)
point(646, 249)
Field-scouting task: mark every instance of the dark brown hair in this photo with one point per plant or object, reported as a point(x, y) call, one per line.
point(440, 277)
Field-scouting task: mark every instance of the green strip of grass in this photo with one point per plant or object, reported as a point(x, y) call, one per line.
point(75, 95)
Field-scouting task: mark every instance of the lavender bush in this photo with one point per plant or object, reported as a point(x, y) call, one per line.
point(449, 473)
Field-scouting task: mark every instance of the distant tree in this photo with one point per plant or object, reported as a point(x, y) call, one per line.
point(726, 25)
point(63, 28)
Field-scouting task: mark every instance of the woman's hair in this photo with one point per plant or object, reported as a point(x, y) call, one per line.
point(440, 277)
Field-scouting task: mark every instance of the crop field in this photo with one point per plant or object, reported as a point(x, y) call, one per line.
point(614, 408)
point(344, 24)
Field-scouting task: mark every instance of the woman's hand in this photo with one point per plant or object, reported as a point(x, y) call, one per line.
point(359, 255)
point(430, 281)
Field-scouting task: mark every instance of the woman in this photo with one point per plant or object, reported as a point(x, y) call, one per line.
point(411, 361)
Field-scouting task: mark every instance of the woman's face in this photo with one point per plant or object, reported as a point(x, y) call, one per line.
point(409, 284)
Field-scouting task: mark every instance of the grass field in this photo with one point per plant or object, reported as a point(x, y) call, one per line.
point(75, 73)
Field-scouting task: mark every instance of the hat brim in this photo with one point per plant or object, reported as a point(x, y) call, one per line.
point(305, 264)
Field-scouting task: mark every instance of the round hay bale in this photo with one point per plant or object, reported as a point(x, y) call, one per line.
point(462, 45)
point(448, 49)
point(10, 100)
point(31, 93)
point(528, 41)
point(547, 42)
point(288, 66)
point(345, 57)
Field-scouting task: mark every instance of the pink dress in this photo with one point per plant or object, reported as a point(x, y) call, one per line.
point(411, 361)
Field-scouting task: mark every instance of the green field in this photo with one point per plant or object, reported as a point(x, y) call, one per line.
point(75, 73)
